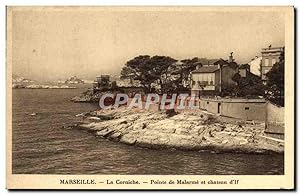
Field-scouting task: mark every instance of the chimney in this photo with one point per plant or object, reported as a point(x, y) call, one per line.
point(230, 59)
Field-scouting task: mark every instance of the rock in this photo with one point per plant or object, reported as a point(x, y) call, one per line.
point(123, 122)
point(224, 141)
point(137, 126)
point(171, 112)
point(80, 115)
point(183, 131)
point(104, 132)
point(128, 139)
point(94, 118)
point(149, 141)
point(250, 122)
point(115, 136)
point(243, 142)
point(210, 134)
point(105, 117)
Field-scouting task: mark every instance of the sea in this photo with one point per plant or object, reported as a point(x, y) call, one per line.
point(43, 144)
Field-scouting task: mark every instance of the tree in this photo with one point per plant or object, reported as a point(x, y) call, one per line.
point(136, 69)
point(228, 90)
point(178, 75)
point(160, 71)
point(163, 72)
point(114, 85)
point(187, 67)
point(150, 71)
point(250, 85)
point(127, 73)
point(275, 82)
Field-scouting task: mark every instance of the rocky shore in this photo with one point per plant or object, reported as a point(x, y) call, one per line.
point(90, 96)
point(87, 96)
point(187, 130)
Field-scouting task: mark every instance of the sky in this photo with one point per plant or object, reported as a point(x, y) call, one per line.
point(55, 43)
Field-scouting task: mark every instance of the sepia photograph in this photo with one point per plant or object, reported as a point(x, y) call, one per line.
point(203, 95)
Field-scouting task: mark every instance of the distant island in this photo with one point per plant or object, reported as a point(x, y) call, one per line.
point(19, 82)
point(75, 80)
point(19, 79)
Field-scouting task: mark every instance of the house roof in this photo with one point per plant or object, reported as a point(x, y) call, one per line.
point(244, 66)
point(233, 65)
point(207, 61)
point(221, 62)
point(206, 69)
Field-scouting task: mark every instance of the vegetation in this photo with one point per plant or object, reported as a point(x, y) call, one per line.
point(275, 82)
point(159, 73)
point(249, 86)
point(164, 74)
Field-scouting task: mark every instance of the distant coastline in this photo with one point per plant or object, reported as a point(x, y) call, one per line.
point(20, 82)
point(40, 86)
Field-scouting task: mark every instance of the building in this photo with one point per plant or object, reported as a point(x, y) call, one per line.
point(115, 84)
point(102, 81)
point(240, 108)
point(210, 78)
point(270, 56)
point(244, 70)
point(255, 65)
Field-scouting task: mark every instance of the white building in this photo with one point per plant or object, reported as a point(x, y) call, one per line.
point(209, 79)
point(270, 56)
point(255, 65)
point(204, 78)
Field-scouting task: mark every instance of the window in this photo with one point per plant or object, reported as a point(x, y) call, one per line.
point(273, 61)
point(246, 108)
point(193, 82)
point(203, 83)
point(211, 83)
point(267, 62)
point(207, 102)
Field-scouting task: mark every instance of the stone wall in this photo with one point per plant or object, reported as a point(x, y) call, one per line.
point(246, 109)
point(274, 120)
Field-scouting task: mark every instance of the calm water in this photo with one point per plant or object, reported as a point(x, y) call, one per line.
point(42, 146)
